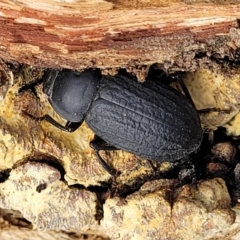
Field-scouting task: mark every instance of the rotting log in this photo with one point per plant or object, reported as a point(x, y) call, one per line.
point(118, 34)
point(109, 35)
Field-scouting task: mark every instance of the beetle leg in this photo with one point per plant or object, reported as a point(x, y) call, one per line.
point(72, 126)
point(69, 127)
point(98, 144)
point(207, 110)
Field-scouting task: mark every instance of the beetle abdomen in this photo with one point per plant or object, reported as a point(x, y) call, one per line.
point(150, 120)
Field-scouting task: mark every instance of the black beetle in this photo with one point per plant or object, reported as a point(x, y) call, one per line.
point(150, 119)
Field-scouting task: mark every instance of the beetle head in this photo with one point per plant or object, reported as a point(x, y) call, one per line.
point(71, 93)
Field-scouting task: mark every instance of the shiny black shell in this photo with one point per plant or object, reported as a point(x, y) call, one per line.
point(150, 120)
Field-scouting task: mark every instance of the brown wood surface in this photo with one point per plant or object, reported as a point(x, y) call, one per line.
point(104, 34)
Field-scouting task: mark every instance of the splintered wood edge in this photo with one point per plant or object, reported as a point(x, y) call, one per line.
point(76, 37)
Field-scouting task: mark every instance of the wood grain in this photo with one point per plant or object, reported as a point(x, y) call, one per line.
point(82, 34)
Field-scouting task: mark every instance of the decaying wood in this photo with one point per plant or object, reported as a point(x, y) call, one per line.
point(52, 177)
point(57, 180)
point(113, 34)
point(142, 215)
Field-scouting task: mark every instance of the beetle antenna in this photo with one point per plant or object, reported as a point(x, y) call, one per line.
point(69, 126)
point(38, 119)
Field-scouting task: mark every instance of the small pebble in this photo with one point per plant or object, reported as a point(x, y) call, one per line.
point(224, 151)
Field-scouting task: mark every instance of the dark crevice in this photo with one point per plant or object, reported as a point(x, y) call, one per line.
point(226, 60)
point(200, 55)
point(41, 187)
point(15, 218)
point(103, 192)
point(43, 158)
point(4, 175)
point(238, 23)
point(77, 186)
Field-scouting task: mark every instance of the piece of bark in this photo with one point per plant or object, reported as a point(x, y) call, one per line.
point(46, 201)
point(112, 34)
point(15, 233)
point(153, 209)
point(13, 226)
